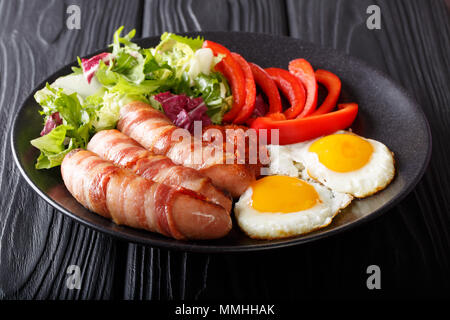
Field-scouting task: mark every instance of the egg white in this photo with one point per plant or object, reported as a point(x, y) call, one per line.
point(375, 175)
point(269, 225)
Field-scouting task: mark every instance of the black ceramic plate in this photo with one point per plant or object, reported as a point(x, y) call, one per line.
point(387, 114)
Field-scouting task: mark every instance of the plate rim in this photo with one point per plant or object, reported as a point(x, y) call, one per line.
point(199, 247)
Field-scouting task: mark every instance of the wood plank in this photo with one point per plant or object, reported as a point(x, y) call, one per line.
point(37, 244)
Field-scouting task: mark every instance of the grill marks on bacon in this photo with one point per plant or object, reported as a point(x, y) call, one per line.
point(125, 152)
point(153, 130)
point(131, 200)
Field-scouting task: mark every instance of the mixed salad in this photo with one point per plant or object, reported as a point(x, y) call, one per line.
point(177, 77)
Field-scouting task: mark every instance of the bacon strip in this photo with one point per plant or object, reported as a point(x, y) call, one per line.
point(131, 200)
point(153, 130)
point(124, 152)
point(242, 142)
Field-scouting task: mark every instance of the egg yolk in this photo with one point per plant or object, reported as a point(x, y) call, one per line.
point(342, 152)
point(283, 194)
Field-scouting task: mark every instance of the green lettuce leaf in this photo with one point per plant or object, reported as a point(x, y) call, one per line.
point(128, 61)
point(52, 147)
point(70, 109)
point(177, 55)
point(75, 131)
point(108, 106)
point(215, 92)
point(194, 43)
point(53, 141)
point(116, 82)
point(125, 41)
point(46, 97)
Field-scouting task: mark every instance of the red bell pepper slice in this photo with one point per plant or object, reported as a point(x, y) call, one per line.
point(250, 90)
point(304, 71)
point(333, 85)
point(234, 74)
point(291, 88)
point(268, 86)
point(303, 129)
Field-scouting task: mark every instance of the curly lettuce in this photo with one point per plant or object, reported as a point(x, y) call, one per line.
point(74, 132)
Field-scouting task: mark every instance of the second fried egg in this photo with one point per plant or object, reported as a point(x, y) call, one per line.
point(281, 206)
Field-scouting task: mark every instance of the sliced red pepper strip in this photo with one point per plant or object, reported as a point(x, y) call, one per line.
point(268, 86)
point(234, 74)
point(291, 88)
point(303, 129)
point(304, 71)
point(333, 85)
point(250, 90)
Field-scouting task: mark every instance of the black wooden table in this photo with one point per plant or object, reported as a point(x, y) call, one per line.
point(410, 243)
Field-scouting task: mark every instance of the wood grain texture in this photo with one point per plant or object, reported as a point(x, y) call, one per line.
point(212, 15)
point(410, 243)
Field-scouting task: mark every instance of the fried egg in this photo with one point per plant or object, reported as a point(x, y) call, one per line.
point(281, 206)
point(343, 162)
point(346, 162)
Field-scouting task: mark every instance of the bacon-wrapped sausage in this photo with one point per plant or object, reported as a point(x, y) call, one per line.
point(255, 157)
point(153, 130)
point(113, 145)
point(131, 200)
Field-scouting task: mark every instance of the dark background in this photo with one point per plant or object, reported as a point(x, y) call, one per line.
point(410, 243)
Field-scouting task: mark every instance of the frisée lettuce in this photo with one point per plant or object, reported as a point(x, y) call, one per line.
point(73, 132)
